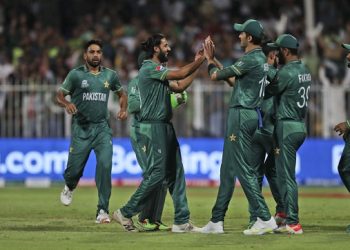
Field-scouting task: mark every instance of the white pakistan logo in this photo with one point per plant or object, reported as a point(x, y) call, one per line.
point(84, 84)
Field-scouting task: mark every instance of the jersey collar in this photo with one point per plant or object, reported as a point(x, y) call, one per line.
point(253, 50)
point(86, 69)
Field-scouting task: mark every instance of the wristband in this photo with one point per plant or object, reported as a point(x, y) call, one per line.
point(211, 68)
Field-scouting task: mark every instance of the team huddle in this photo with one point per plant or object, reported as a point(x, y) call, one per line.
point(266, 116)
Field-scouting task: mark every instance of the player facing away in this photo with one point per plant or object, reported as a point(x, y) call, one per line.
point(89, 86)
point(291, 88)
point(250, 72)
point(343, 129)
point(160, 148)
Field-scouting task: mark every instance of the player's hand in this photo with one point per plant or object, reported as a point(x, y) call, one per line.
point(199, 54)
point(71, 109)
point(209, 41)
point(122, 115)
point(341, 128)
point(209, 49)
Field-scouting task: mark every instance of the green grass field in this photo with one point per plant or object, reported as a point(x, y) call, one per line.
point(35, 219)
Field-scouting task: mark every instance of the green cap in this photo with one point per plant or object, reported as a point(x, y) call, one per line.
point(251, 26)
point(346, 46)
point(285, 41)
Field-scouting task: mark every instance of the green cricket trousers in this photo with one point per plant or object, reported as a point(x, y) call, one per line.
point(154, 205)
point(87, 137)
point(161, 152)
point(263, 144)
point(290, 136)
point(344, 163)
point(241, 125)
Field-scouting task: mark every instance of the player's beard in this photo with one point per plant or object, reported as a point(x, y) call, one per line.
point(93, 63)
point(162, 57)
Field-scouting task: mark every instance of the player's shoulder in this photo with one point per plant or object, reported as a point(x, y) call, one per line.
point(108, 71)
point(76, 72)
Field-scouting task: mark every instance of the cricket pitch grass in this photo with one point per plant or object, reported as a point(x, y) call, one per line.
point(35, 219)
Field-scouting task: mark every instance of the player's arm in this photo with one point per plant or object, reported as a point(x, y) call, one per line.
point(133, 97)
point(215, 73)
point(117, 88)
point(180, 85)
point(66, 89)
point(184, 71)
point(123, 103)
point(277, 85)
point(230, 81)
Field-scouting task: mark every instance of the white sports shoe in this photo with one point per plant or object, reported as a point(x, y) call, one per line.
point(261, 227)
point(213, 228)
point(185, 228)
point(102, 217)
point(127, 223)
point(66, 196)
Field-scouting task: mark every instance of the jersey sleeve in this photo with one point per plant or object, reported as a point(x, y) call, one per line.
point(158, 72)
point(278, 84)
point(133, 97)
point(115, 83)
point(238, 69)
point(68, 84)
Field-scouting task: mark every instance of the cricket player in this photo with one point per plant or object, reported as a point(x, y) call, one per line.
point(343, 129)
point(263, 142)
point(250, 72)
point(160, 151)
point(150, 216)
point(291, 87)
point(89, 86)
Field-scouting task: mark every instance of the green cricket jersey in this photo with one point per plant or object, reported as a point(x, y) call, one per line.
point(292, 86)
point(268, 105)
point(89, 92)
point(251, 74)
point(154, 92)
point(134, 98)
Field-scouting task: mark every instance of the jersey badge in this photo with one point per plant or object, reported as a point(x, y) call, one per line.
point(106, 84)
point(84, 84)
point(160, 68)
point(233, 137)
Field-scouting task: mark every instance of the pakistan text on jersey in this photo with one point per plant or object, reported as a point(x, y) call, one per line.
point(102, 97)
point(304, 78)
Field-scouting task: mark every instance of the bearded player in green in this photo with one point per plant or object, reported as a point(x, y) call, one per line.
point(343, 129)
point(291, 87)
point(89, 86)
point(250, 72)
point(160, 148)
point(151, 214)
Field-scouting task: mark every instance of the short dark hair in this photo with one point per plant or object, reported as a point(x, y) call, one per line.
point(256, 40)
point(93, 41)
point(294, 52)
point(149, 44)
point(267, 49)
